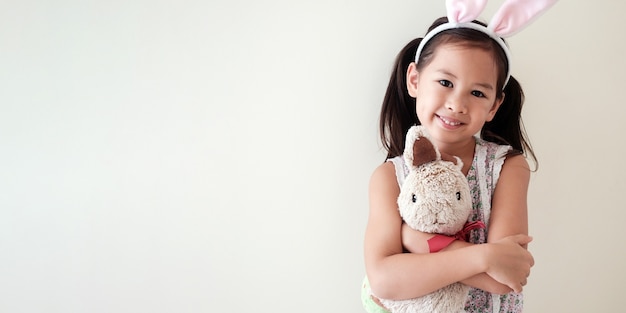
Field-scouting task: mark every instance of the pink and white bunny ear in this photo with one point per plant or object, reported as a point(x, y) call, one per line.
point(514, 15)
point(460, 11)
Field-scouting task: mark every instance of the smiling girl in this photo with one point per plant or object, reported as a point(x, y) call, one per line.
point(456, 84)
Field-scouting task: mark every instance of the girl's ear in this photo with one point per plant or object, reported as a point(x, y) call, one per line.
point(412, 80)
point(495, 107)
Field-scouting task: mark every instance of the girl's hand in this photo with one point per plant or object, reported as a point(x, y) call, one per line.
point(508, 262)
point(415, 241)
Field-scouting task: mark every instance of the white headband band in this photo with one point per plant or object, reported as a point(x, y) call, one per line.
point(512, 17)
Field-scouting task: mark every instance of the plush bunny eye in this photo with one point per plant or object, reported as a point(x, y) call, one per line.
point(414, 198)
point(458, 195)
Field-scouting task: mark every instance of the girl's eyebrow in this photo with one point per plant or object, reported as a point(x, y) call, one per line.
point(485, 85)
point(446, 72)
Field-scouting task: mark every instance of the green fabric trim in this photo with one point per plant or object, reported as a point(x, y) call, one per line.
point(368, 303)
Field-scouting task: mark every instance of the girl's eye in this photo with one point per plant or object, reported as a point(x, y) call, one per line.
point(445, 83)
point(477, 93)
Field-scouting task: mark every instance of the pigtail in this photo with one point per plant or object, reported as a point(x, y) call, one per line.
point(507, 126)
point(398, 110)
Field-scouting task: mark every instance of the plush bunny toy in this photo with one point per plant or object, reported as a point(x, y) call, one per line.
point(434, 198)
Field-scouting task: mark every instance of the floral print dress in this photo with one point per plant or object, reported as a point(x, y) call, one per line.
point(482, 177)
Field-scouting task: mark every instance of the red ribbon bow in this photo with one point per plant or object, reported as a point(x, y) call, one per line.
point(469, 226)
point(438, 242)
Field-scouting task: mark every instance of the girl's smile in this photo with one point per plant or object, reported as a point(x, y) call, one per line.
point(449, 122)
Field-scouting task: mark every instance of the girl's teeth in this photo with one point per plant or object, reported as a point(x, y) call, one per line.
point(449, 122)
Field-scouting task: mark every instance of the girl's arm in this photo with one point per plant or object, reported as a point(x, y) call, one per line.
point(509, 206)
point(416, 242)
point(508, 217)
point(397, 275)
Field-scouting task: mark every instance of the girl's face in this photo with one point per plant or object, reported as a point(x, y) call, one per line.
point(456, 93)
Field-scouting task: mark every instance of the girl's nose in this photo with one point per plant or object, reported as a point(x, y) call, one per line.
point(456, 104)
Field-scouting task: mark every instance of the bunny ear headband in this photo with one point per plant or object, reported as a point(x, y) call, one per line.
point(512, 17)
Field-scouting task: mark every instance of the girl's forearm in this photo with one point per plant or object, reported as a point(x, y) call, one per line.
point(481, 280)
point(417, 242)
point(410, 275)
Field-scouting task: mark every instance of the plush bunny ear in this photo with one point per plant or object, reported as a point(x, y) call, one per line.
point(423, 152)
point(514, 15)
point(452, 159)
point(417, 148)
point(460, 11)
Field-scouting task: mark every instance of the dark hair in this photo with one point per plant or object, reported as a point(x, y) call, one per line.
point(398, 110)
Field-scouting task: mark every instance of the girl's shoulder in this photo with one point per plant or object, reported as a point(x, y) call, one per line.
point(382, 186)
point(491, 151)
point(400, 168)
point(491, 158)
point(384, 172)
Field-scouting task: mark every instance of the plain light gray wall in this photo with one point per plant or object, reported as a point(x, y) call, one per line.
point(199, 156)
